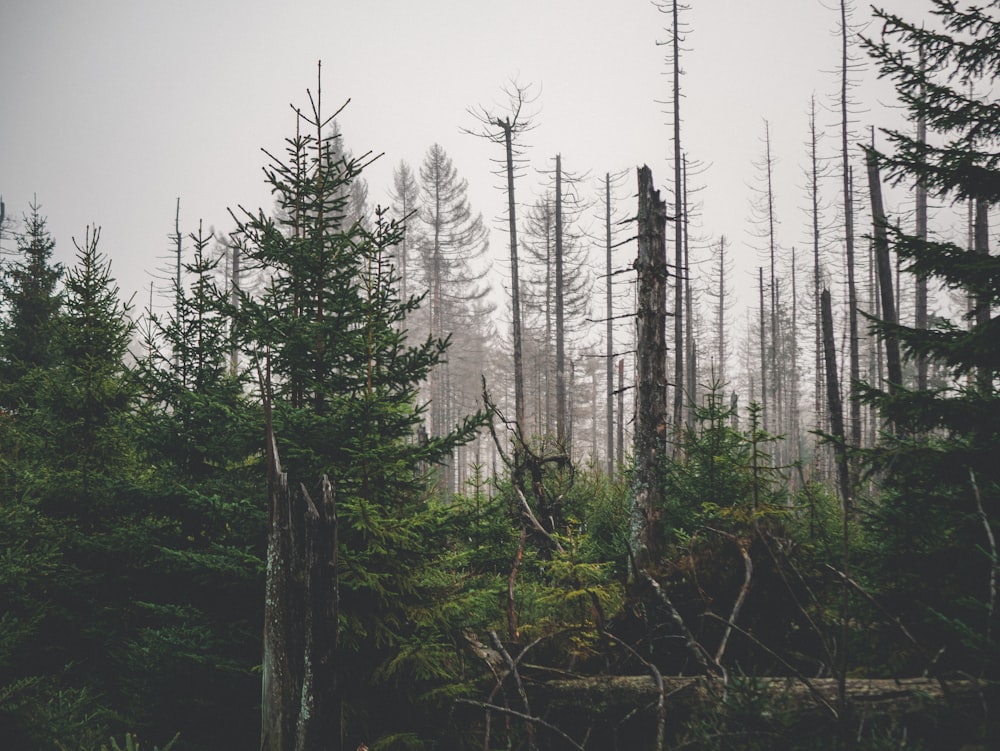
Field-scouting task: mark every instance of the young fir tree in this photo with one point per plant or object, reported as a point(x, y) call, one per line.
point(29, 295)
point(934, 539)
point(74, 463)
point(340, 382)
point(199, 433)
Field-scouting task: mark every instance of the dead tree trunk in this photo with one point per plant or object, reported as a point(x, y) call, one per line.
point(561, 411)
point(981, 246)
point(610, 338)
point(681, 220)
point(852, 293)
point(920, 296)
point(621, 413)
point(691, 377)
point(774, 379)
point(721, 314)
point(819, 419)
point(763, 352)
point(884, 267)
point(515, 293)
point(795, 439)
point(834, 405)
point(300, 695)
point(651, 377)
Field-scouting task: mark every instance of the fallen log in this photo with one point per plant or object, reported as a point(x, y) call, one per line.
point(867, 696)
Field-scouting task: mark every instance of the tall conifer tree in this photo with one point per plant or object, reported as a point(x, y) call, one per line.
point(340, 383)
point(942, 483)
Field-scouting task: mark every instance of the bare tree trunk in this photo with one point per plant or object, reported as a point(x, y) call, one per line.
point(515, 294)
point(680, 220)
point(178, 266)
point(852, 295)
point(281, 668)
point(920, 298)
point(793, 367)
point(721, 311)
point(772, 248)
point(834, 404)
point(300, 701)
point(547, 360)
point(884, 266)
point(984, 378)
point(561, 415)
point(594, 410)
point(763, 353)
point(610, 339)
point(819, 421)
point(234, 301)
point(691, 379)
point(651, 374)
point(621, 412)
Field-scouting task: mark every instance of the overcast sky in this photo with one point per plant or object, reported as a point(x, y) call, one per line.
point(112, 109)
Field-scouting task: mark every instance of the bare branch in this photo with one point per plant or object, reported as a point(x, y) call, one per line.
point(521, 715)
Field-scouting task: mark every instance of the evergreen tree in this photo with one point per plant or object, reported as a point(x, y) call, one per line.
point(933, 531)
point(200, 642)
point(68, 481)
point(30, 299)
point(451, 272)
point(340, 382)
point(405, 197)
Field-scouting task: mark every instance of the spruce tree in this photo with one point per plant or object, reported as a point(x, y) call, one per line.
point(933, 529)
point(30, 298)
point(340, 382)
point(451, 272)
point(69, 479)
point(199, 434)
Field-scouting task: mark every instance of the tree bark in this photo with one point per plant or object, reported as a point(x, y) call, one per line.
point(561, 415)
point(763, 352)
point(871, 696)
point(691, 377)
point(679, 220)
point(721, 313)
point(834, 405)
point(300, 699)
point(609, 342)
point(852, 293)
point(650, 427)
point(920, 298)
point(515, 293)
point(884, 267)
point(621, 413)
point(818, 399)
point(981, 235)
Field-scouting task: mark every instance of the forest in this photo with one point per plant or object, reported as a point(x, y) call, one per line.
point(338, 493)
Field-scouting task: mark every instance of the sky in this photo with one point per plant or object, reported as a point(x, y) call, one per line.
point(114, 109)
